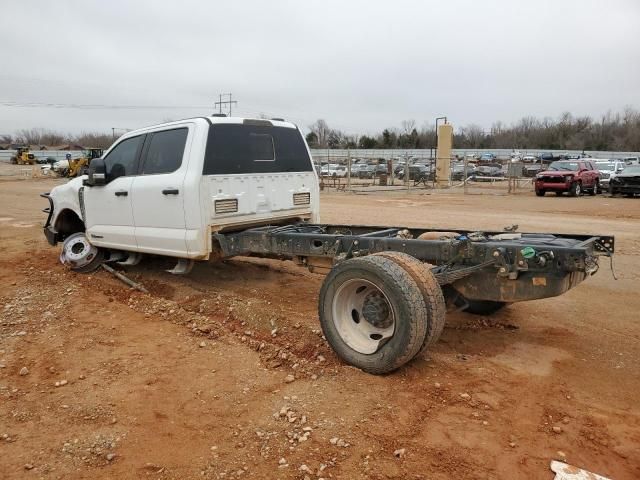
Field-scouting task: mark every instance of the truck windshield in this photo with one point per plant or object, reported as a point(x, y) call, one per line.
point(571, 166)
point(241, 148)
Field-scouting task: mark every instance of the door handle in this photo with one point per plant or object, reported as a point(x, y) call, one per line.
point(121, 193)
point(170, 191)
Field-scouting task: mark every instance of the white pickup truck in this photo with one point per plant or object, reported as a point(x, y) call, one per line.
point(215, 187)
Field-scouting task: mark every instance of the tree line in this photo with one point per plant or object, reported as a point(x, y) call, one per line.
point(42, 136)
point(609, 132)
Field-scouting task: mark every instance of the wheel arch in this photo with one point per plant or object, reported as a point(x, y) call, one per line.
point(68, 222)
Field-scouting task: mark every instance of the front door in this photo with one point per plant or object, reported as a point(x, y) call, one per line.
point(158, 193)
point(108, 208)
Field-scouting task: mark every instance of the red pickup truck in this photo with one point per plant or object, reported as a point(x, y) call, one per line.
point(572, 176)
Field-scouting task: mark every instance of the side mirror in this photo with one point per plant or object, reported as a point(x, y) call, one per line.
point(97, 173)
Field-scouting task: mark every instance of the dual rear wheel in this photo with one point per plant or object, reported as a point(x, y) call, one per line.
point(378, 312)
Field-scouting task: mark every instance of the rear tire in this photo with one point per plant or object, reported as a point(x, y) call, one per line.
point(360, 300)
point(595, 190)
point(431, 293)
point(540, 193)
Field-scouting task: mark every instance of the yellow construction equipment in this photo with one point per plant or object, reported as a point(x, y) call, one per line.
point(78, 166)
point(23, 156)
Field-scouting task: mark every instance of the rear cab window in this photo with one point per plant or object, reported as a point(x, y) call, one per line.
point(255, 148)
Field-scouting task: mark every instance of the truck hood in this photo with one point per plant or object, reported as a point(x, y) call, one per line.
point(556, 173)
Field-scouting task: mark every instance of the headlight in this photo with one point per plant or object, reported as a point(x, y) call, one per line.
point(538, 176)
point(568, 177)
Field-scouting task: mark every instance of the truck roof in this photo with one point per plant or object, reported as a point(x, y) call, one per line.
point(217, 120)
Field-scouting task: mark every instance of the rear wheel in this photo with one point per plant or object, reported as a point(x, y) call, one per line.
point(431, 293)
point(540, 193)
point(575, 190)
point(596, 189)
point(373, 313)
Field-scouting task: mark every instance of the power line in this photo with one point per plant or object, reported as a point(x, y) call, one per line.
point(226, 102)
point(102, 106)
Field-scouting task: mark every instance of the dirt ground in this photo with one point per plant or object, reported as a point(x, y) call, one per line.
point(99, 381)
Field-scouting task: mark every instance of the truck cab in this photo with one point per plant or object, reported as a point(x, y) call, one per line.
point(168, 188)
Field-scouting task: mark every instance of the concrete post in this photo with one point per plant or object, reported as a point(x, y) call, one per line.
point(443, 154)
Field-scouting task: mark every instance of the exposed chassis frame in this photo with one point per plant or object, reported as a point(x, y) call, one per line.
point(472, 264)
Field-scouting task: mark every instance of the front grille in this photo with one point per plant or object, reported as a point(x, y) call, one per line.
point(630, 181)
point(553, 179)
point(303, 198)
point(226, 206)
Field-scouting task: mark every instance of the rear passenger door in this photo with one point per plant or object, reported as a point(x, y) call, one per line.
point(158, 193)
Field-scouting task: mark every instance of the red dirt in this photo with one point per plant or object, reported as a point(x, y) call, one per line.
point(141, 386)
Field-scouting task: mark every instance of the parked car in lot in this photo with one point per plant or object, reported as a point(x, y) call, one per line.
point(457, 171)
point(530, 159)
point(608, 169)
point(333, 170)
point(626, 182)
point(571, 176)
point(548, 157)
point(417, 172)
point(487, 157)
point(631, 160)
point(491, 170)
point(359, 170)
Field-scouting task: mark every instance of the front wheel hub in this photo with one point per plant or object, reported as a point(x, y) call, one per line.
point(77, 251)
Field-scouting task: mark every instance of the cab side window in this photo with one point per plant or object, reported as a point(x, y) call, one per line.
point(165, 151)
point(121, 161)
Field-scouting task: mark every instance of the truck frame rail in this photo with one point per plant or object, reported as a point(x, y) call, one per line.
point(488, 265)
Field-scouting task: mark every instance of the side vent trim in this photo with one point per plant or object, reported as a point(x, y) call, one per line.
point(227, 205)
point(302, 198)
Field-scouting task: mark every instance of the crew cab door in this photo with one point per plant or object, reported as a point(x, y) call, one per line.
point(107, 208)
point(158, 193)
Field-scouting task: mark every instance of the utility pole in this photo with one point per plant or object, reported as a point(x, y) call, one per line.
point(229, 102)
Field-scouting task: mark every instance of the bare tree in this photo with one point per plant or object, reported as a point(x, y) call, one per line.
point(322, 131)
point(408, 126)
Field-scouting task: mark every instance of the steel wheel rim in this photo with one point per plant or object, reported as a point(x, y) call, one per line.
point(77, 251)
point(363, 316)
point(577, 189)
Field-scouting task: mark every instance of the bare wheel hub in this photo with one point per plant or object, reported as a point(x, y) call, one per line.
point(363, 315)
point(375, 310)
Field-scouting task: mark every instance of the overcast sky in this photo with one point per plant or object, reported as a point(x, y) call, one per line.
point(361, 65)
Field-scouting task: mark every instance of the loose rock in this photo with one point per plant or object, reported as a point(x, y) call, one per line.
point(289, 378)
point(24, 371)
point(400, 452)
